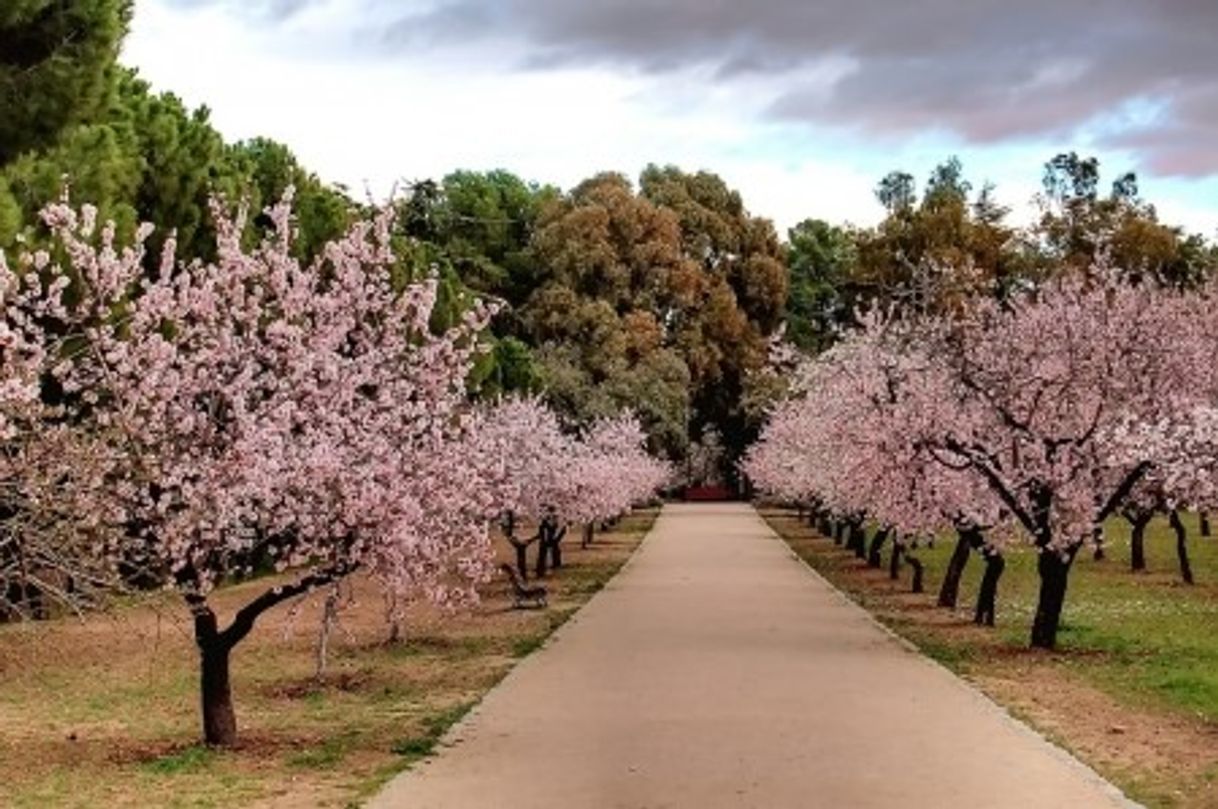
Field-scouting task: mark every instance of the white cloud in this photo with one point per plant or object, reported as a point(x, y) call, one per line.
point(376, 119)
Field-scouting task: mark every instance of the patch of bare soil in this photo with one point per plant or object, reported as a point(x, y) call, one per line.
point(1169, 760)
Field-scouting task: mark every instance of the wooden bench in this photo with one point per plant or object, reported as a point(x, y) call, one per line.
point(524, 596)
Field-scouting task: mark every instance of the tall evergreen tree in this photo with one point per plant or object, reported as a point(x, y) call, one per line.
point(57, 67)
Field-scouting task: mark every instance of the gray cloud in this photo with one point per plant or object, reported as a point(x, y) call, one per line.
point(272, 10)
point(986, 70)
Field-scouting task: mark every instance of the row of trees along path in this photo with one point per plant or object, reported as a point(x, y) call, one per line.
point(1030, 418)
point(213, 421)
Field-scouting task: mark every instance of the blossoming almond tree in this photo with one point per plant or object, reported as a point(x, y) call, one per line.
point(851, 444)
point(533, 466)
point(52, 548)
point(614, 471)
point(1184, 446)
point(256, 410)
point(1035, 388)
point(1026, 396)
point(525, 458)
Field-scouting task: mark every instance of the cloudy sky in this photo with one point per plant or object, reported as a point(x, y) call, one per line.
point(802, 105)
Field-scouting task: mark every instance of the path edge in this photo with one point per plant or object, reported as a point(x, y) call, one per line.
point(454, 735)
point(989, 703)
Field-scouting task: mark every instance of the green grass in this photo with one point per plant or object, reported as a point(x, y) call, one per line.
point(191, 760)
point(1143, 637)
point(326, 755)
point(413, 748)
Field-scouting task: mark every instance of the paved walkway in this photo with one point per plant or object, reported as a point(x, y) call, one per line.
point(717, 671)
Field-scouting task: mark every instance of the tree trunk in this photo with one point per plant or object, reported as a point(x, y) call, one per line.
point(219, 719)
point(949, 592)
point(839, 532)
point(1186, 569)
point(543, 553)
point(1054, 576)
point(1137, 542)
point(987, 596)
point(393, 616)
point(586, 537)
point(1204, 519)
point(916, 564)
point(858, 540)
point(522, 560)
point(894, 560)
point(874, 554)
point(216, 646)
point(329, 614)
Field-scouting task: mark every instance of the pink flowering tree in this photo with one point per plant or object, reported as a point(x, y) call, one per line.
point(1030, 394)
point(535, 467)
point(851, 444)
point(526, 461)
point(1184, 446)
point(1002, 414)
point(53, 549)
point(613, 472)
point(257, 411)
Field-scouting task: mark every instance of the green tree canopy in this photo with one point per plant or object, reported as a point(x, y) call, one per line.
point(57, 62)
point(1079, 226)
point(821, 259)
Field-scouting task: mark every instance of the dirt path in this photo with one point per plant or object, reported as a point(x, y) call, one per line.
point(718, 671)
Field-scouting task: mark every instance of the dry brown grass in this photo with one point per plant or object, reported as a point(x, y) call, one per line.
point(102, 711)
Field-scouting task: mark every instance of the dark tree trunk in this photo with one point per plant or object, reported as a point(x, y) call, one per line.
point(894, 560)
point(543, 553)
point(586, 537)
point(219, 720)
point(875, 553)
point(216, 646)
point(858, 540)
point(1137, 541)
point(949, 592)
point(987, 596)
point(522, 560)
point(916, 563)
point(1054, 576)
point(1186, 569)
point(556, 554)
point(839, 532)
point(1204, 519)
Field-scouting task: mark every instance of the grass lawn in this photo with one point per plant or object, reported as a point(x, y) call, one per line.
point(1133, 689)
point(103, 711)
